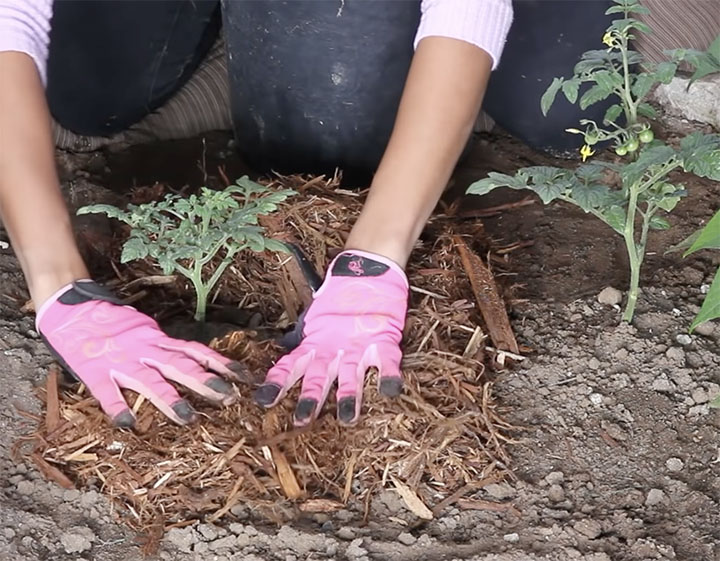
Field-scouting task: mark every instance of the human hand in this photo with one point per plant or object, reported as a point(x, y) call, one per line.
point(108, 347)
point(354, 323)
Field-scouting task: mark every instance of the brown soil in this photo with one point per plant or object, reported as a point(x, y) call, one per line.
point(620, 454)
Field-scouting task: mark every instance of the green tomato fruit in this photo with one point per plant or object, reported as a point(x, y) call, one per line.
point(646, 136)
point(620, 150)
point(632, 145)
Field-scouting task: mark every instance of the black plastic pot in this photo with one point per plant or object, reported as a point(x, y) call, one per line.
point(316, 83)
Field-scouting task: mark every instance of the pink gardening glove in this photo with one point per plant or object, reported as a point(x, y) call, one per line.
point(108, 346)
point(355, 322)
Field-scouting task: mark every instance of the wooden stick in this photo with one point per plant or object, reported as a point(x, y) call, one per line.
point(488, 299)
point(52, 413)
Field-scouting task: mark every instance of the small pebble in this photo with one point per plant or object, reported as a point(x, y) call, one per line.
point(346, 533)
point(511, 538)
point(406, 538)
point(596, 398)
point(591, 529)
point(674, 464)
point(700, 395)
point(655, 497)
point(556, 493)
point(25, 487)
point(610, 296)
point(555, 477)
point(683, 339)
point(676, 354)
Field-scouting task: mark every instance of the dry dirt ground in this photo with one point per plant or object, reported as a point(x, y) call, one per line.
point(620, 454)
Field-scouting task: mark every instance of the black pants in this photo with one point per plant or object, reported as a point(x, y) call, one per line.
point(313, 86)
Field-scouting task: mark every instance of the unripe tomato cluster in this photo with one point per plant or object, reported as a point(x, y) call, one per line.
point(631, 145)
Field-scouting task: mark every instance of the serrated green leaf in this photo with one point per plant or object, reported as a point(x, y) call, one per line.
point(548, 98)
point(612, 113)
point(590, 173)
point(700, 154)
point(643, 84)
point(668, 203)
point(275, 245)
point(654, 156)
point(589, 196)
point(710, 309)
point(595, 94)
point(614, 10)
point(608, 80)
point(665, 72)
point(658, 223)
point(133, 249)
point(709, 236)
point(647, 110)
point(495, 180)
point(615, 217)
point(570, 89)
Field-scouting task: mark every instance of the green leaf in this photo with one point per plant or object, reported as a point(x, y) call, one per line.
point(710, 309)
point(495, 180)
point(668, 203)
point(615, 217)
point(275, 245)
point(589, 197)
point(683, 245)
point(109, 210)
point(608, 80)
point(643, 84)
point(659, 223)
point(612, 113)
point(655, 156)
point(595, 94)
point(700, 154)
point(647, 110)
point(570, 89)
point(548, 98)
point(133, 249)
point(709, 237)
point(665, 72)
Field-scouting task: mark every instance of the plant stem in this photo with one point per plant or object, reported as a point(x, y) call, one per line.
point(628, 102)
point(635, 253)
point(201, 292)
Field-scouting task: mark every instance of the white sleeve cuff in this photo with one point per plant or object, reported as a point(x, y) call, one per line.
point(25, 28)
point(484, 23)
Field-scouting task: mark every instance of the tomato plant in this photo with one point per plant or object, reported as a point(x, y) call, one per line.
point(632, 195)
point(185, 235)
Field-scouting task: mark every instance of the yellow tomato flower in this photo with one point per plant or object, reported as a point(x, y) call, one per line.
point(586, 152)
point(608, 39)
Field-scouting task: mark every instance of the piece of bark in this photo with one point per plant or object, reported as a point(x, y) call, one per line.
point(52, 410)
point(51, 473)
point(491, 304)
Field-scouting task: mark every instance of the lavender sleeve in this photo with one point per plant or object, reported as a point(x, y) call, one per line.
point(25, 27)
point(484, 23)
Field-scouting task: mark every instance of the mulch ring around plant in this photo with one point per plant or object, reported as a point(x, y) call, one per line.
point(436, 445)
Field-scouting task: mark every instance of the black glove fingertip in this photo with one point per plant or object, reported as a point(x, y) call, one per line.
point(124, 420)
point(266, 394)
point(391, 386)
point(305, 409)
point(346, 410)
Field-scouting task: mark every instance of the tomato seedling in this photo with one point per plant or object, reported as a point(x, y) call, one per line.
point(185, 234)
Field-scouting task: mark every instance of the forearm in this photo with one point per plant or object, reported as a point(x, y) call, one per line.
point(440, 103)
point(31, 206)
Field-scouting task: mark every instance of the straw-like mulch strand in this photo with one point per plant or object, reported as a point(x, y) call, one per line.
point(436, 444)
